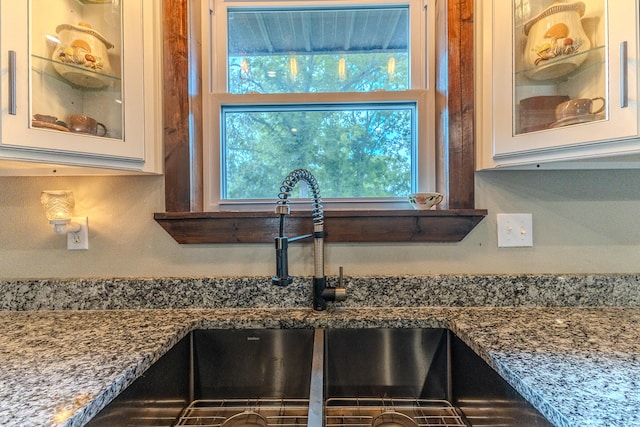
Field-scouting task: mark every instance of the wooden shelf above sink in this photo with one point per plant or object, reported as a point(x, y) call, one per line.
point(341, 226)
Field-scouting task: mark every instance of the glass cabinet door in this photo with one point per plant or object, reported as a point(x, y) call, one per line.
point(559, 67)
point(559, 79)
point(76, 67)
point(79, 81)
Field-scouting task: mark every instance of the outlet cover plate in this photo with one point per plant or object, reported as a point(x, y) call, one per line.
point(80, 240)
point(515, 230)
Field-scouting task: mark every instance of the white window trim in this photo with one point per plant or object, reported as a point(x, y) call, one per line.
point(215, 96)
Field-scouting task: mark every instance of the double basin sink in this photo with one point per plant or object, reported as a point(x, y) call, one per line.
point(332, 378)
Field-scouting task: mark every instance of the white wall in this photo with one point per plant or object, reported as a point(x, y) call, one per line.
point(584, 222)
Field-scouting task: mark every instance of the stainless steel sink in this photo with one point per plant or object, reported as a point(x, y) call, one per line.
point(213, 377)
point(331, 378)
point(415, 377)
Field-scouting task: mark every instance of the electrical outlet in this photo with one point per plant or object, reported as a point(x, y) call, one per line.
point(79, 240)
point(515, 230)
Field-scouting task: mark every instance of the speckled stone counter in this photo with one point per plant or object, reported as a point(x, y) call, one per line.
point(258, 292)
point(578, 366)
point(569, 344)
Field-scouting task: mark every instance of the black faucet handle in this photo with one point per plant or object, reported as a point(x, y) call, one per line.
point(282, 277)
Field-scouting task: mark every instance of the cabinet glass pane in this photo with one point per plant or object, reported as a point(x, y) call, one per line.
point(560, 73)
point(76, 67)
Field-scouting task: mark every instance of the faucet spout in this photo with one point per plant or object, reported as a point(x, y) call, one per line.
point(321, 293)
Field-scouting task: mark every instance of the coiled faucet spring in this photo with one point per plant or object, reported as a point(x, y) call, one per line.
point(317, 211)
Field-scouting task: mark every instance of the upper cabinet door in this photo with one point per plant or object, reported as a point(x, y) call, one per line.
point(78, 82)
point(559, 80)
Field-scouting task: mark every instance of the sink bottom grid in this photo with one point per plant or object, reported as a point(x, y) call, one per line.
point(243, 412)
point(359, 412)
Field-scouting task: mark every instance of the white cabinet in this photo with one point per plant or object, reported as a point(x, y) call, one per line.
point(557, 83)
point(80, 86)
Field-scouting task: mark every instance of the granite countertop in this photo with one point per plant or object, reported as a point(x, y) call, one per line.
point(580, 366)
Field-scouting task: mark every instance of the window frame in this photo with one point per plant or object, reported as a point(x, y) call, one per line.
point(420, 75)
point(183, 217)
point(425, 156)
point(215, 96)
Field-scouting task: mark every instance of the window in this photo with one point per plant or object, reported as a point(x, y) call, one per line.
point(342, 89)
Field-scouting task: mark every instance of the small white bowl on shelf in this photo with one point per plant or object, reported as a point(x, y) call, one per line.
point(425, 201)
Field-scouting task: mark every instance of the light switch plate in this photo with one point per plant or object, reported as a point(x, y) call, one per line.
point(515, 230)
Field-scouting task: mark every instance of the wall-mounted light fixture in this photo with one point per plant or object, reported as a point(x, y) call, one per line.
point(58, 207)
point(342, 69)
point(293, 68)
point(391, 67)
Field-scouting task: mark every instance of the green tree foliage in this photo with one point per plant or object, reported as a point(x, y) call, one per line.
point(352, 150)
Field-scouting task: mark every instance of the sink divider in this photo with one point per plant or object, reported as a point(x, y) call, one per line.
point(316, 388)
point(192, 368)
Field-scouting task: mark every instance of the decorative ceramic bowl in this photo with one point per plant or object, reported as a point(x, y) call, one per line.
point(425, 201)
point(539, 112)
point(81, 56)
point(555, 41)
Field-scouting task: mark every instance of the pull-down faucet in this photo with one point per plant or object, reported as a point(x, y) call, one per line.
point(321, 293)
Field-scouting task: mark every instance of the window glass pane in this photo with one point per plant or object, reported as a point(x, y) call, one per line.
point(354, 151)
point(299, 50)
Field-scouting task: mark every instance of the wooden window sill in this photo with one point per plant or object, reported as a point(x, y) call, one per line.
point(341, 226)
